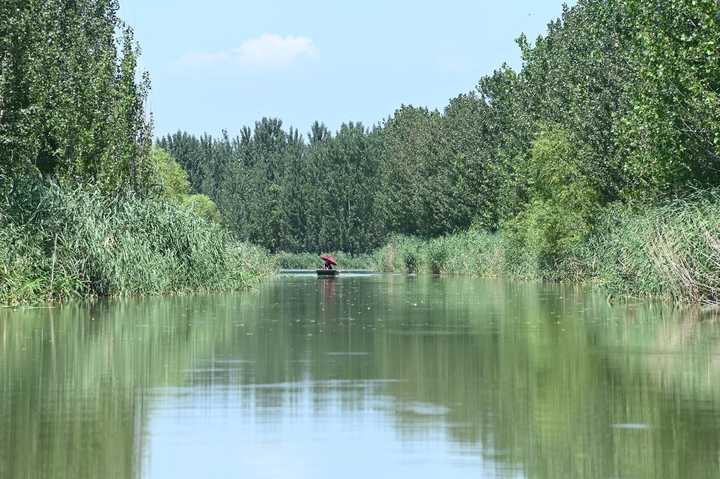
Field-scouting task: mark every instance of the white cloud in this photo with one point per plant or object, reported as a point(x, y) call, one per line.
point(266, 52)
point(274, 50)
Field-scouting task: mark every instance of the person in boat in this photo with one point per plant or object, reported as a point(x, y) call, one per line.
point(328, 265)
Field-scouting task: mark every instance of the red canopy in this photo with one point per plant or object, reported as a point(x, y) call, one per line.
point(328, 259)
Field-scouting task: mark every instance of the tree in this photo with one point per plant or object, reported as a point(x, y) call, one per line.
point(71, 107)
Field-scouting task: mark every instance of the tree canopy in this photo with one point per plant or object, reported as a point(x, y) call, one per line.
point(71, 106)
point(617, 102)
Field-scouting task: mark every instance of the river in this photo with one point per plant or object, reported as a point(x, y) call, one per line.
point(362, 376)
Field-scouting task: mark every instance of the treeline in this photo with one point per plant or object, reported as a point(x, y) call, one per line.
point(415, 174)
point(617, 103)
point(278, 190)
point(87, 206)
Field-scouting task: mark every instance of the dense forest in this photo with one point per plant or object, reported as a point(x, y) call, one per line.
point(616, 104)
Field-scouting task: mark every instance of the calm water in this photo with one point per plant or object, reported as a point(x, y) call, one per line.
point(361, 377)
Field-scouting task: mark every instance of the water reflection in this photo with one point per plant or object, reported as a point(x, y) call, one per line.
point(361, 376)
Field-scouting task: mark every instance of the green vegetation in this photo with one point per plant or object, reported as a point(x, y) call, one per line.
point(471, 252)
point(172, 181)
point(59, 244)
point(312, 261)
point(670, 251)
point(87, 206)
point(616, 107)
point(275, 190)
point(71, 107)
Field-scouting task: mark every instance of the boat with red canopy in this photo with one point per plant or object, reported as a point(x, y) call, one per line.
point(328, 268)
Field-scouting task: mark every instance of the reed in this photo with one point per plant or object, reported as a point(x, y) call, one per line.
point(471, 252)
point(58, 244)
point(672, 251)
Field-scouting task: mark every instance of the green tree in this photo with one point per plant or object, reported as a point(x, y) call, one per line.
point(670, 134)
point(170, 178)
point(563, 204)
point(71, 105)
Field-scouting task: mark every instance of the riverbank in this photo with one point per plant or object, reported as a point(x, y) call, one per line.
point(670, 252)
point(57, 245)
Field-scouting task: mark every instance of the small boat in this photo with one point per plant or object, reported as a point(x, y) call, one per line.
point(328, 272)
point(328, 269)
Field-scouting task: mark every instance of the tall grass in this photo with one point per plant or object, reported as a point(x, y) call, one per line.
point(60, 244)
point(470, 252)
point(671, 251)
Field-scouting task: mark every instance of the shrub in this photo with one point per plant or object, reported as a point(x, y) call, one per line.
point(471, 252)
point(437, 254)
point(410, 260)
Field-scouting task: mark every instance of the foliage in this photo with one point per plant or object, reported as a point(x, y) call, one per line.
point(202, 206)
point(71, 107)
point(88, 207)
point(172, 182)
point(411, 148)
point(670, 133)
point(559, 216)
point(59, 244)
point(471, 252)
point(617, 103)
point(672, 251)
point(274, 189)
point(169, 177)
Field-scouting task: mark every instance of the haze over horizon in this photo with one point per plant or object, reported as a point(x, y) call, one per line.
point(224, 65)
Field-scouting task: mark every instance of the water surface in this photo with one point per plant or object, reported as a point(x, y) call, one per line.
point(361, 377)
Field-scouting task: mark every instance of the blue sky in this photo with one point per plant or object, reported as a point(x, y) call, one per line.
point(223, 64)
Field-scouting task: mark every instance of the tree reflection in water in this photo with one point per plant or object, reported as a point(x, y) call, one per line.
point(544, 381)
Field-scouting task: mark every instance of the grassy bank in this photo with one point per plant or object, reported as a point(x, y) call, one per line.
point(470, 252)
point(311, 260)
point(671, 252)
point(60, 244)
